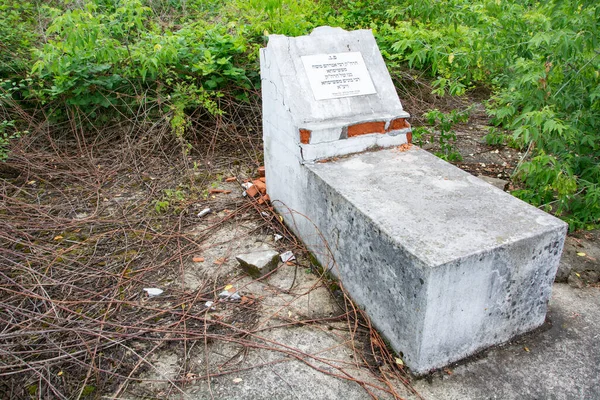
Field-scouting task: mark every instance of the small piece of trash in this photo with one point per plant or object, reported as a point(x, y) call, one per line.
point(526, 349)
point(153, 292)
point(209, 304)
point(265, 214)
point(198, 259)
point(581, 254)
point(230, 294)
point(237, 380)
point(203, 212)
point(247, 185)
point(277, 237)
point(287, 256)
point(399, 362)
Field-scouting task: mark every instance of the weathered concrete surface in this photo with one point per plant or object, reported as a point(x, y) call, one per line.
point(563, 361)
point(444, 263)
point(289, 105)
point(258, 263)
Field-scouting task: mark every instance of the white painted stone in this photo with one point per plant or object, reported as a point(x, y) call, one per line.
point(443, 263)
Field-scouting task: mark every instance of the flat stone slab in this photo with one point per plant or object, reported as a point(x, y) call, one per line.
point(444, 263)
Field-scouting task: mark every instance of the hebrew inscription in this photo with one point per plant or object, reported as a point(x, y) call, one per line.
point(338, 75)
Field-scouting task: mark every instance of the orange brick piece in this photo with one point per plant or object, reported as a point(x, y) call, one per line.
point(264, 199)
point(305, 136)
point(409, 137)
point(262, 188)
point(366, 128)
point(398, 123)
point(261, 171)
point(252, 191)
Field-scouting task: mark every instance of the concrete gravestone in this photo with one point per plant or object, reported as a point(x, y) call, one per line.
point(443, 263)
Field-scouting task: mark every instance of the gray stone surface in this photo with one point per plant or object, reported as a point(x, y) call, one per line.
point(444, 264)
point(563, 361)
point(284, 54)
point(289, 105)
point(258, 263)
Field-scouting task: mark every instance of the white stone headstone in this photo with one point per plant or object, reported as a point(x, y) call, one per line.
point(330, 94)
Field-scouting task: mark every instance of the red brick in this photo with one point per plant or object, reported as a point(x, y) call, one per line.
point(252, 191)
point(409, 137)
point(261, 171)
point(398, 123)
point(305, 136)
point(264, 199)
point(262, 188)
point(366, 128)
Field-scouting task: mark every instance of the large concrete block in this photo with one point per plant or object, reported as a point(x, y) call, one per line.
point(443, 263)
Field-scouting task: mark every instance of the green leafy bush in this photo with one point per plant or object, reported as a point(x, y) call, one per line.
point(166, 59)
point(115, 57)
point(543, 62)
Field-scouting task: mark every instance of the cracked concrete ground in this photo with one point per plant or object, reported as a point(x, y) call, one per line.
point(307, 360)
point(302, 346)
point(559, 361)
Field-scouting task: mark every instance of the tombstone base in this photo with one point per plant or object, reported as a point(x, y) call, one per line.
point(443, 263)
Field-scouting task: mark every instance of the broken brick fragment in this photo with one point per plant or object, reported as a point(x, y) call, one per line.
point(260, 185)
point(398, 123)
point(305, 136)
point(366, 128)
point(252, 191)
point(409, 137)
point(264, 199)
point(261, 171)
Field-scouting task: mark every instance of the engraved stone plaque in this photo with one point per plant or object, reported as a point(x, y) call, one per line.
point(338, 75)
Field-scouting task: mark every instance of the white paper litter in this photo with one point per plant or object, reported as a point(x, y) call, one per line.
point(203, 212)
point(277, 237)
point(247, 185)
point(287, 256)
point(152, 292)
point(230, 296)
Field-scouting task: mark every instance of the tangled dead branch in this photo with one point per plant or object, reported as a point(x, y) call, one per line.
point(81, 236)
